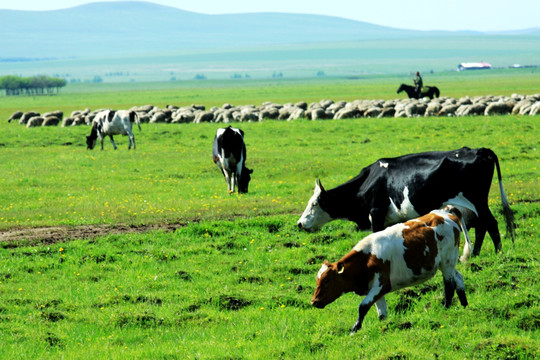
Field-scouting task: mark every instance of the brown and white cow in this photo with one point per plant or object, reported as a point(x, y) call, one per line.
point(402, 255)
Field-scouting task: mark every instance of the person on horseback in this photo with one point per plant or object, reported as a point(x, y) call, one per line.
point(418, 84)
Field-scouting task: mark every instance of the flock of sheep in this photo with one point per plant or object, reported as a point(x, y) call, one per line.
point(324, 109)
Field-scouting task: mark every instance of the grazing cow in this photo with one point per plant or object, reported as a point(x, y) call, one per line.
point(397, 189)
point(402, 255)
point(229, 153)
point(109, 122)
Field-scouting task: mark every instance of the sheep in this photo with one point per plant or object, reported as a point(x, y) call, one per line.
point(27, 116)
point(448, 110)
point(50, 121)
point(498, 108)
point(323, 109)
point(203, 116)
point(15, 116)
point(34, 121)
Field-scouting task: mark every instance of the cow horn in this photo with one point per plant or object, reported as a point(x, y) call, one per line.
point(318, 183)
point(341, 268)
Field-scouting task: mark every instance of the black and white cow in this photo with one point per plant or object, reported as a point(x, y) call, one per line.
point(229, 154)
point(393, 190)
point(110, 122)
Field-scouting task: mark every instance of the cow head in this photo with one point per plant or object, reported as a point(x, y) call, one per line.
point(244, 180)
point(330, 284)
point(91, 139)
point(314, 216)
point(90, 143)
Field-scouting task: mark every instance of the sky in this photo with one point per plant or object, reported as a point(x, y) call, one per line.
point(453, 15)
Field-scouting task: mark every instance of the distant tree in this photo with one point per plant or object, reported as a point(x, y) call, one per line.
point(57, 83)
point(200, 77)
point(11, 84)
point(39, 84)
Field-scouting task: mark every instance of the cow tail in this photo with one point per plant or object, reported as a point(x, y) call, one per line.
point(133, 116)
point(467, 246)
point(508, 214)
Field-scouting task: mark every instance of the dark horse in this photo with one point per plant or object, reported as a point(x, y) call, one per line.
point(428, 91)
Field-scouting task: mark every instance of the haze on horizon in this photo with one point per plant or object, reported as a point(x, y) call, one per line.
point(474, 15)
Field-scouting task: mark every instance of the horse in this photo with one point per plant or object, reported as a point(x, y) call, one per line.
point(428, 91)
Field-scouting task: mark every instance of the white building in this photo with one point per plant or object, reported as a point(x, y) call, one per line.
point(474, 66)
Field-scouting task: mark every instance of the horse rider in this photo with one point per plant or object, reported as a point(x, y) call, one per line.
point(418, 84)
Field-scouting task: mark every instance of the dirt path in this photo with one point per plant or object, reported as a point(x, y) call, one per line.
point(51, 235)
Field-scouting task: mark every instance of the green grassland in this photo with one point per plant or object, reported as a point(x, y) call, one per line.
point(256, 91)
point(235, 278)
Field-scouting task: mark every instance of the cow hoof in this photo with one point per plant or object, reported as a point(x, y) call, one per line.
point(355, 328)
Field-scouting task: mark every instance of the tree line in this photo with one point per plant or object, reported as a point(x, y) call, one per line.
point(39, 84)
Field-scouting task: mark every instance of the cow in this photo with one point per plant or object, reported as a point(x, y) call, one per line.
point(229, 154)
point(400, 256)
point(110, 122)
point(398, 189)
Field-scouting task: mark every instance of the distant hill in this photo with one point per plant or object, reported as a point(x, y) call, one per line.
point(120, 28)
point(142, 41)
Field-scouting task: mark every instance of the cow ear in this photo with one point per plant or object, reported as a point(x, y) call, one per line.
point(340, 268)
point(319, 185)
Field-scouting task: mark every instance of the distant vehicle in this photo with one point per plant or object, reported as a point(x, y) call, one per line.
point(474, 66)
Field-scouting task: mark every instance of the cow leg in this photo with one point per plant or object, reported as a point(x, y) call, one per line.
point(227, 179)
point(362, 311)
point(493, 230)
point(112, 141)
point(131, 140)
point(238, 173)
point(449, 289)
point(377, 217)
point(487, 223)
point(479, 240)
point(233, 182)
point(101, 140)
point(375, 295)
point(381, 308)
point(225, 176)
point(460, 288)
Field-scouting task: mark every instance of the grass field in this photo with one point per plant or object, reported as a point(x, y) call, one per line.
point(235, 277)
